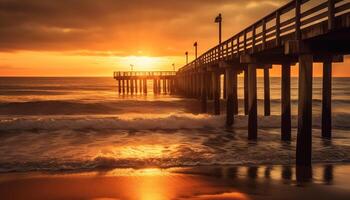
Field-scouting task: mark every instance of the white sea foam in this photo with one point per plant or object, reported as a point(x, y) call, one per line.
point(149, 122)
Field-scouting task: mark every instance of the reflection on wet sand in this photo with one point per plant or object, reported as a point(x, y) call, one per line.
point(199, 183)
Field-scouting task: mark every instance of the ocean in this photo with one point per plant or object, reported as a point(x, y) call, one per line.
point(83, 124)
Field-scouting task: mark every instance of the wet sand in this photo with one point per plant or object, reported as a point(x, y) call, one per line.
point(203, 183)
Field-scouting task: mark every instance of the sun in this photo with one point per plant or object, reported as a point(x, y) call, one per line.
point(143, 63)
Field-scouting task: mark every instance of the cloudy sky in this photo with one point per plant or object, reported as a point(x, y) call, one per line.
point(95, 37)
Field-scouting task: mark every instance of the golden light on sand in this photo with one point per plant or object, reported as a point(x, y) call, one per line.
point(142, 151)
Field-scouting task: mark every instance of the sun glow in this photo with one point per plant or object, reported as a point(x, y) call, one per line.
point(145, 63)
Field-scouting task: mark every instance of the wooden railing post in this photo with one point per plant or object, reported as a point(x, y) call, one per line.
point(245, 41)
point(238, 45)
point(231, 48)
point(298, 19)
point(278, 28)
point(331, 14)
point(253, 38)
point(263, 34)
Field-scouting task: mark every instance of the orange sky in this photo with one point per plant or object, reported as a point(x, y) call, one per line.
point(95, 38)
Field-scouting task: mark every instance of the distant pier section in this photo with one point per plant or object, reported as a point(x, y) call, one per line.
point(136, 82)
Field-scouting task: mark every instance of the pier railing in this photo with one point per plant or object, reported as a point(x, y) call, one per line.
point(143, 73)
point(272, 30)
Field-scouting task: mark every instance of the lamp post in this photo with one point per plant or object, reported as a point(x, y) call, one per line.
point(186, 53)
point(218, 20)
point(132, 67)
point(195, 49)
point(173, 66)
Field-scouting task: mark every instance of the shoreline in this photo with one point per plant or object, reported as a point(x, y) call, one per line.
point(323, 181)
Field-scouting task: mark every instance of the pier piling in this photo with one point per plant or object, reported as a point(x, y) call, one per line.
point(216, 92)
point(229, 98)
point(327, 99)
point(304, 137)
point(245, 88)
point(252, 110)
point(285, 105)
point(267, 91)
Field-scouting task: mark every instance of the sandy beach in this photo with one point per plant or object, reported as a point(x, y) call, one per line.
point(215, 182)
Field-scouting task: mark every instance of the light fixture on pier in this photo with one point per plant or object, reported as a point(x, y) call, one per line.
point(186, 53)
point(195, 49)
point(218, 20)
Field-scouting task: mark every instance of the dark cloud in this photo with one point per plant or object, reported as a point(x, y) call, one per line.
point(158, 27)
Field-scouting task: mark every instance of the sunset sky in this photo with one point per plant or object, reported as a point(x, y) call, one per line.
point(97, 37)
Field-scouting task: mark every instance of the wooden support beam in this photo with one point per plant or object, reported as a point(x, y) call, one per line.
point(209, 86)
point(154, 86)
point(253, 114)
point(119, 86)
point(246, 91)
point(132, 86)
point(136, 89)
point(169, 88)
point(298, 19)
point(140, 86)
point(278, 28)
point(216, 92)
point(164, 86)
point(159, 86)
point(145, 86)
point(224, 86)
point(327, 100)
point(229, 99)
point(266, 92)
point(331, 14)
point(203, 92)
point(123, 86)
point(235, 93)
point(285, 106)
point(304, 137)
point(127, 86)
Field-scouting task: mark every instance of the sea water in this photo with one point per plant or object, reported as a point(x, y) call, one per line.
point(50, 124)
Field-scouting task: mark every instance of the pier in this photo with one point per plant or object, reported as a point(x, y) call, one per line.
point(135, 82)
point(297, 34)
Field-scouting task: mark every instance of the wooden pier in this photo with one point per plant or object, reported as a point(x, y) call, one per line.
point(135, 82)
point(303, 32)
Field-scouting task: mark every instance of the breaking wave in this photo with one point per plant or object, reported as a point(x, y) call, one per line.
point(152, 122)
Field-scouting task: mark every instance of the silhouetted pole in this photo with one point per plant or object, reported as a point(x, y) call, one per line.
point(140, 85)
point(218, 20)
point(285, 96)
point(252, 114)
point(164, 86)
point(267, 91)
point(154, 86)
point(304, 137)
point(145, 86)
point(327, 99)
point(246, 91)
point(216, 92)
point(159, 86)
point(123, 86)
point(132, 86)
point(127, 86)
point(230, 98)
point(195, 50)
point(119, 86)
point(235, 94)
point(136, 89)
